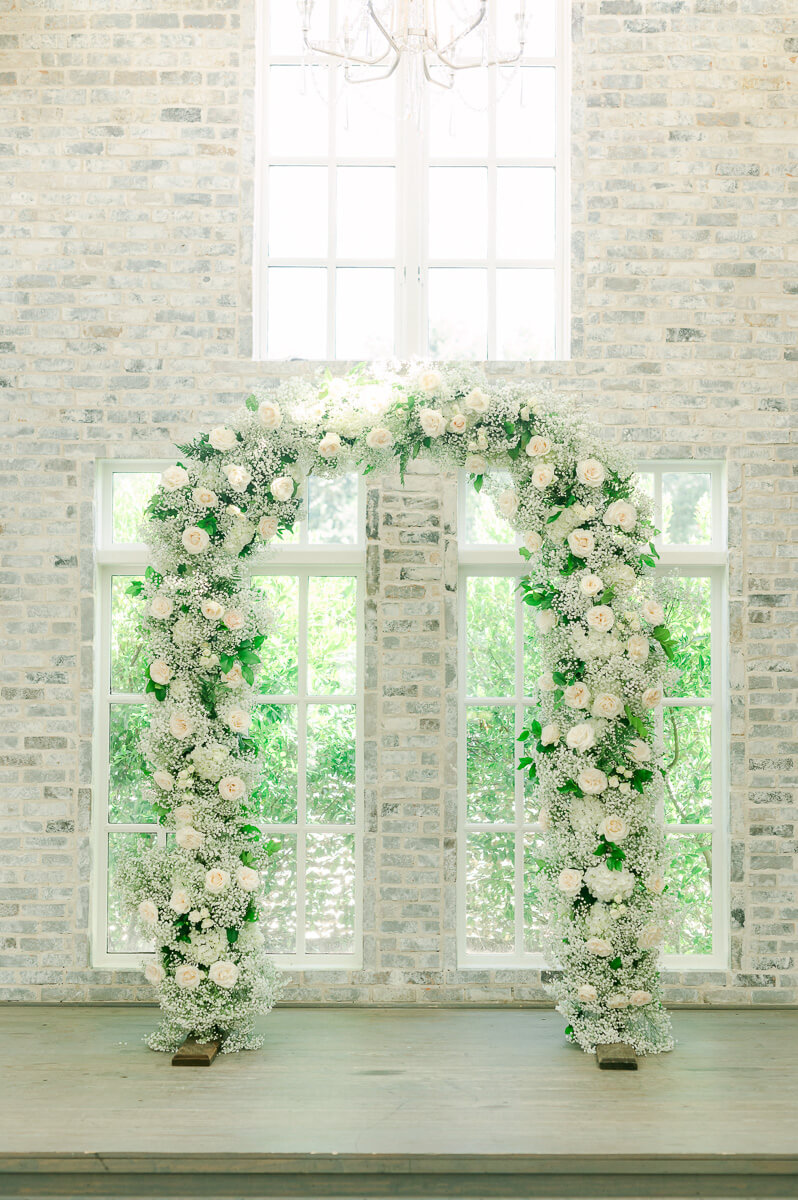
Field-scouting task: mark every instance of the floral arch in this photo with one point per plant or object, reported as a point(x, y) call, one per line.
point(587, 533)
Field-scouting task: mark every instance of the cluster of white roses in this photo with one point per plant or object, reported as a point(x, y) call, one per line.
point(584, 531)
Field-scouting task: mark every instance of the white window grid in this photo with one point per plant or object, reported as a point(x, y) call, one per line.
point(301, 560)
point(410, 261)
point(709, 561)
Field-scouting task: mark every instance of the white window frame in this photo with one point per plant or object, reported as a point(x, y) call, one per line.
point(708, 561)
point(411, 262)
point(300, 560)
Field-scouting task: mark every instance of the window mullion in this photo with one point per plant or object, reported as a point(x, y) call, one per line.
point(302, 741)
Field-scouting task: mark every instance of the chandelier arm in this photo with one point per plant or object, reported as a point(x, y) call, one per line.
point(492, 62)
point(330, 52)
point(370, 78)
point(478, 20)
point(437, 82)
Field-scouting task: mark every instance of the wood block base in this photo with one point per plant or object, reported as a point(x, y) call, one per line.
point(195, 1054)
point(616, 1057)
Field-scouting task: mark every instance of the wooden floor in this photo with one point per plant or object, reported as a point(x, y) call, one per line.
point(404, 1102)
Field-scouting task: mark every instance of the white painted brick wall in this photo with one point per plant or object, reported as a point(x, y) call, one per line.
point(126, 150)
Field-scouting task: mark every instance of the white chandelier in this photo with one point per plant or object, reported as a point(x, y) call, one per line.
point(378, 35)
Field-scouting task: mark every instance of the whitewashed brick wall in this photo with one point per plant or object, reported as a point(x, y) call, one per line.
point(126, 158)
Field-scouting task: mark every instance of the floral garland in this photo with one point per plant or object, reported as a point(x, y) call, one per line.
point(603, 641)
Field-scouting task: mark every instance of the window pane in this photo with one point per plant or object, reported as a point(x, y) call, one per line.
point(532, 800)
point(458, 212)
point(686, 508)
point(484, 526)
point(490, 763)
point(332, 634)
point(364, 312)
point(131, 492)
point(330, 902)
point(285, 27)
point(490, 620)
point(298, 212)
point(332, 510)
point(366, 212)
point(331, 763)
point(525, 314)
point(525, 115)
point(365, 119)
point(458, 307)
point(278, 911)
point(534, 916)
point(458, 119)
point(525, 212)
point(490, 909)
point(533, 667)
point(645, 481)
point(274, 730)
point(297, 312)
point(122, 937)
point(128, 668)
point(688, 765)
point(301, 92)
point(126, 777)
point(690, 622)
point(690, 883)
point(540, 29)
point(278, 653)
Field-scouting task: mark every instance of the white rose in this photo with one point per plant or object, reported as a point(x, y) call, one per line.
point(653, 612)
point(598, 946)
point(430, 381)
point(477, 401)
point(212, 610)
point(282, 488)
point(542, 476)
point(330, 445)
point(154, 973)
point(183, 815)
point(533, 542)
point(161, 607)
point(233, 619)
point(238, 477)
point(180, 902)
point(233, 678)
point(591, 585)
point(267, 527)
point(222, 438)
point(379, 438)
point(581, 737)
point(607, 705)
point(204, 497)
point(576, 695)
point(590, 472)
point(181, 725)
point(270, 414)
point(637, 648)
point(457, 423)
point(544, 820)
point(160, 672)
point(652, 697)
point(174, 478)
point(546, 682)
point(649, 937)
point(189, 838)
point(247, 879)
point(195, 540)
point(621, 513)
point(638, 999)
point(639, 750)
point(656, 884)
point(165, 780)
point(601, 618)
point(592, 781)
point(545, 620)
point(232, 787)
point(238, 720)
point(550, 735)
point(475, 464)
point(507, 503)
point(216, 880)
point(432, 422)
point(187, 976)
point(223, 973)
point(569, 881)
point(614, 828)
point(617, 1000)
point(538, 446)
point(607, 885)
point(581, 542)
point(148, 911)
point(587, 994)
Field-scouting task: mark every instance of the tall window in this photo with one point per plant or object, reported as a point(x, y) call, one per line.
point(499, 918)
point(378, 233)
point(306, 721)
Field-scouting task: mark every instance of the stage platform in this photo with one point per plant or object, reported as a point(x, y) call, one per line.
point(396, 1102)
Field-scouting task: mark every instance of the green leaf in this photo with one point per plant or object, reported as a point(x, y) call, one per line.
point(615, 963)
point(478, 481)
point(232, 937)
point(536, 728)
point(523, 735)
point(247, 656)
point(248, 674)
point(509, 429)
point(251, 403)
point(638, 725)
point(136, 588)
point(226, 662)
